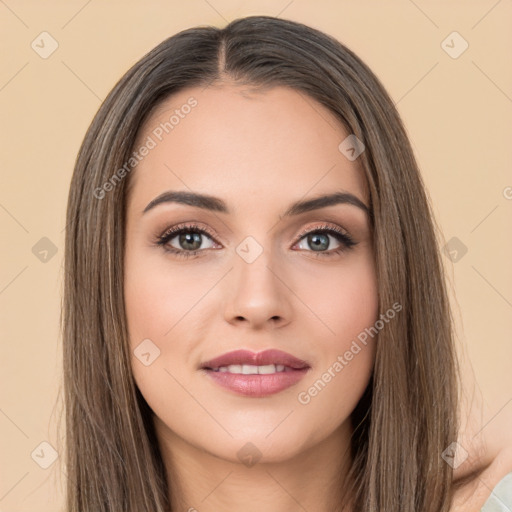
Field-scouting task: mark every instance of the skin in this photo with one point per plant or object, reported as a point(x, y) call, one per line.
point(259, 152)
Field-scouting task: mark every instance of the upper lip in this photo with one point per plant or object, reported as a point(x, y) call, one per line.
point(266, 357)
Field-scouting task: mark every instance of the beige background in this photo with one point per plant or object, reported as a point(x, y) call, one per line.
point(458, 113)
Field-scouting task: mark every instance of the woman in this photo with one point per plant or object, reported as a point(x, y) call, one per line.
point(255, 309)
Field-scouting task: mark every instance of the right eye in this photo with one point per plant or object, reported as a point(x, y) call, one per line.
point(187, 240)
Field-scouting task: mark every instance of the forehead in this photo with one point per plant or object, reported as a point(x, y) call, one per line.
point(244, 145)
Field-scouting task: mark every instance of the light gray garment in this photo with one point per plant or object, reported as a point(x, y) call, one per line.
point(500, 499)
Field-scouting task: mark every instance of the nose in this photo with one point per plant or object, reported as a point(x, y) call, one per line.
point(258, 294)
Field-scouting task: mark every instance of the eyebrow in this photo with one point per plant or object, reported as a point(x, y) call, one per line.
point(216, 204)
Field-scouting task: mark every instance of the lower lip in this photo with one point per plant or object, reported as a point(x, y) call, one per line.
point(256, 385)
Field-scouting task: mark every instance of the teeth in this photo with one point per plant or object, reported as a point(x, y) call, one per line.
point(248, 369)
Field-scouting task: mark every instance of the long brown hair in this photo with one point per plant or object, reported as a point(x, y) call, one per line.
point(408, 414)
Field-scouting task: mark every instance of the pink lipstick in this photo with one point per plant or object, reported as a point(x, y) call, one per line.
point(256, 374)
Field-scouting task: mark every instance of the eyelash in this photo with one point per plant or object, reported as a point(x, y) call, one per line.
point(347, 242)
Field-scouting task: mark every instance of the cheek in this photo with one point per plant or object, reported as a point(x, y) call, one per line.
point(165, 304)
point(356, 311)
point(158, 297)
point(347, 302)
point(355, 303)
point(157, 303)
point(343, 298)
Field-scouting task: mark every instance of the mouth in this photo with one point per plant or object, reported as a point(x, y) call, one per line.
point(249, 369)
point(256, 374)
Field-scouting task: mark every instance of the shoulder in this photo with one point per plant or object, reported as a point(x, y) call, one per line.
point(486, 488)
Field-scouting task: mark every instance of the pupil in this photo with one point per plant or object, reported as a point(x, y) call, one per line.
point(316, 243)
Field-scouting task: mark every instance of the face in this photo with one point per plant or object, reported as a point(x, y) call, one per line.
point(242, 270)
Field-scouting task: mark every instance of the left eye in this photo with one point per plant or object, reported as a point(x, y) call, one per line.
point(318, 241)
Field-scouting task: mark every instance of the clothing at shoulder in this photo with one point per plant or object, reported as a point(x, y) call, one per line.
point(500, 499)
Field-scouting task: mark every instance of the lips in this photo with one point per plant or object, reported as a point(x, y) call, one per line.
point(245, 357)
point(255, 375)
